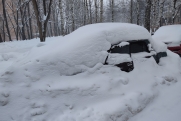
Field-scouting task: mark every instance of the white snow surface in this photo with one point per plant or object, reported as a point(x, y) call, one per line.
point(34, 85)
point(112, 33)
point(116, 58)
point(168, 34)
point(123, 44)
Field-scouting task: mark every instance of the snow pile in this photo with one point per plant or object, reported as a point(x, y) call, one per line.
point(11, 51)
point(33, 89)
point(168, 34)
point(158, 45)
point(77, 52)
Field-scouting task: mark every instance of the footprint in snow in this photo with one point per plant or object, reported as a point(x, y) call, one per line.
point(37, 109)
point(4, 99)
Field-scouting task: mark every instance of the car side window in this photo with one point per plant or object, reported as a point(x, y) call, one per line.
point(133, 46)
point(139, 46)
point(122, 50)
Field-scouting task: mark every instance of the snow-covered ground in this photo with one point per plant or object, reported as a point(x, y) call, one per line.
point(33, 88)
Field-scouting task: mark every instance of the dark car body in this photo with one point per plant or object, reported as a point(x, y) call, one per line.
point(134, 46)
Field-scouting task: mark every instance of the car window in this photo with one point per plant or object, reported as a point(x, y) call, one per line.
point(138, 46)
point(133, 47)
point(121, 50)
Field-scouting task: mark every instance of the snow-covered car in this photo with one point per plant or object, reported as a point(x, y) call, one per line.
point(115, 44)
point(171, 36)
point(93, 45)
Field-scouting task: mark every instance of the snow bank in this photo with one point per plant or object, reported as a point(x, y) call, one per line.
point(167, 104)
point(34, 89)
point(82, 49)
point(168, 34)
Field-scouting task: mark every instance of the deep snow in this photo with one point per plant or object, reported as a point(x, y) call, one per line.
point(52, 81)
point(82, 49)
point(101, 93)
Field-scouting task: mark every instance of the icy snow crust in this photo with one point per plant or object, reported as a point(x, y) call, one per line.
point(168, 34)
point(35, 84)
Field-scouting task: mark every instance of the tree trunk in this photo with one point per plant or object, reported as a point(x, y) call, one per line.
point(5, 18)
point(161, 7)
point(138, 11)
point(101, 11)
point(147, 15)
point(112, 10)
point(4, 37)
point(30, 23)
point(72, 15)
point(87, 12)
point(96, 10)
point(131, 11)
point(1, 40)
point(61, 17)
point(90, 11)
point(42, 25)
point(14, 16)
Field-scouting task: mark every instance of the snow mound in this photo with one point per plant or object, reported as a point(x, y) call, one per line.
point(168, 34)
point(77, 52)
point(34, 89)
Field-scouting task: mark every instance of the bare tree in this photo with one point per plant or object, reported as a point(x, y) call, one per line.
point(111, 2)
point(147, 14)
point(101, 11)
point(138, 12)
point(96, 10)
point(90, 11)
point(131, 11)
point(1, 40)
point(6, 21)
point(61, 16)
point(161, 7)
point(72, 14)
point(42, 19)
point(176, 7)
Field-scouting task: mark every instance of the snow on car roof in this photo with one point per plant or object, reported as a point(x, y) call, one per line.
point(113, 33)
point(168, 34)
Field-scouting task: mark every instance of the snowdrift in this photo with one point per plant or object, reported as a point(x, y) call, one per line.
point(44, 82)
point(82, 49)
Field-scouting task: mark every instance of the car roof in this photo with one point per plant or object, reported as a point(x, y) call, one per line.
point(168, 34)
point(112, 33)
